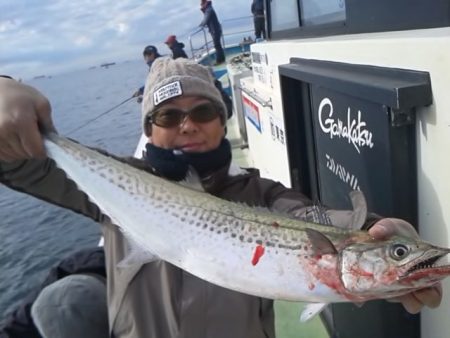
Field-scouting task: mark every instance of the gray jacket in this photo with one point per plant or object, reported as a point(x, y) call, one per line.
point(210, 19)
point(157, 299)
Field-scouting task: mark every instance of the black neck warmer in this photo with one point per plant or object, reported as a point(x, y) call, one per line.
point(173, 165)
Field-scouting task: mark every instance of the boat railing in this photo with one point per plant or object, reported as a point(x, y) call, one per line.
point(204, 47)
point(234, 30)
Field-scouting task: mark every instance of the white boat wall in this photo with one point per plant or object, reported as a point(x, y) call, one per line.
point(424, 50)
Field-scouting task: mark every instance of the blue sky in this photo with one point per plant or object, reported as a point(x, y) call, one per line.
point(50, 37)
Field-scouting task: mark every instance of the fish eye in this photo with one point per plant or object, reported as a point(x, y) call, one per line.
point(399, 251)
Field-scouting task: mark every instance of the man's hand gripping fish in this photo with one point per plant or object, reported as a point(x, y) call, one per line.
point(247, 249)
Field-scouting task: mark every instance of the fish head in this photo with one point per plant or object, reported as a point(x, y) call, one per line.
point(392, 267)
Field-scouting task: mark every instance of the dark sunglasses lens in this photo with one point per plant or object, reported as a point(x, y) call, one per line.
point(168, 118)
point(204, 113)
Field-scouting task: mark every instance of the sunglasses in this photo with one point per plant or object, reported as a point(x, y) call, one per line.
point(174, 117)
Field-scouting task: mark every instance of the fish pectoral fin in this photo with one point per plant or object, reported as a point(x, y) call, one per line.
point(136, 255)
point(320, 243)
point(137, 258)
point(192, 180)
point(311, 310)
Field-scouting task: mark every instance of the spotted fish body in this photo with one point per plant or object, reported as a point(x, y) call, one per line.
point(242, 248)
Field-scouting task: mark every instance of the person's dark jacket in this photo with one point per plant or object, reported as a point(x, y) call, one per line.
point(257, 8)
point(88, 261)
point(210, 19)
point(178, 51)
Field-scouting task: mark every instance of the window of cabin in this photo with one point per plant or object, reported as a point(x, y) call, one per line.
point(314, 12)
point(311, 18)
point(284, 14)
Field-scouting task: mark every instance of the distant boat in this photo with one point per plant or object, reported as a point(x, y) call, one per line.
point(106, 65)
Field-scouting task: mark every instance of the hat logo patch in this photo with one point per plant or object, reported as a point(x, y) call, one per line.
point(166, 92)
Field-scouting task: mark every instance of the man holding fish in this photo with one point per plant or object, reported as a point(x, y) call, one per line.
point(184, 118)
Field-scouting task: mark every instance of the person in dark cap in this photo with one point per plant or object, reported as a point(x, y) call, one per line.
point(212, 22)
point(176, 47)
point(150, 54)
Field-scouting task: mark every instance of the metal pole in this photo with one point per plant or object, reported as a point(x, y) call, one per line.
point(206, 45)
point(192, 47)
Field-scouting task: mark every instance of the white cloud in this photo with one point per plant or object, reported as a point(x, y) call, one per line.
point(82, 41)
point(9, 25)
point(122, 28)
point(35, 36)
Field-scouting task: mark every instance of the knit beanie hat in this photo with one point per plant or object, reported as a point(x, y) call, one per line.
point(170, 78)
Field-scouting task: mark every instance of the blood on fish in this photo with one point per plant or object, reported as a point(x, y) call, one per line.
point(257, 254)
point(275, 224)
point(357, 271)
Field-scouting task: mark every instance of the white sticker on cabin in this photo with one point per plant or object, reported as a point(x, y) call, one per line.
point(259, 74)
point(276, 129)
point(167, 92)
point(260, 68)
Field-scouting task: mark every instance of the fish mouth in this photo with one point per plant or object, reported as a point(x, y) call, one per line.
point(427, 264)
point(428, 268)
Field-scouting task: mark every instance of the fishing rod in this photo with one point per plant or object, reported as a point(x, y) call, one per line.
point(98, 116)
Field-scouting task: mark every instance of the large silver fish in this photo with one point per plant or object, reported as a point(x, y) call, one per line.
point(247, 249)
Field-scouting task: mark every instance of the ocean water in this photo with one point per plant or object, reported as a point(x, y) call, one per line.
point(35, 235)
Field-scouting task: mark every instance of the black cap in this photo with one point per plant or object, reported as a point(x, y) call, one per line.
point(150, 50)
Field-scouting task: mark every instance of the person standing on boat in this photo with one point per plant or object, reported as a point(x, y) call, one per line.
point(176, 47)
point(157, 299)
point(215, 29)
point(150, 54)
point(178, 52)
point(257, 9)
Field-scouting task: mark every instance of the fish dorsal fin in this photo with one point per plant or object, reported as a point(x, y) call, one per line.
point(359, 209)
point(320, 243)
point(310, 310)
